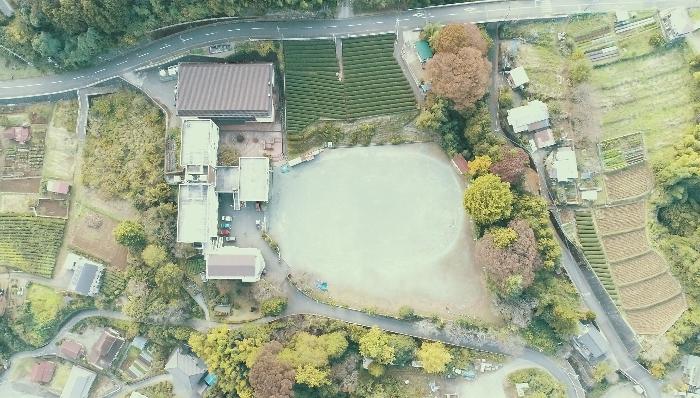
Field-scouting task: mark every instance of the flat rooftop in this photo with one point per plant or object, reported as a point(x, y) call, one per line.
point(232, 262)
point(224, 89)
point(199, 142)
point(227, 178)
point(254, 179)
point(194, 204)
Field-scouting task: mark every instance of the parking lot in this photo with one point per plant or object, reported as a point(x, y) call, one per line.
point(384, 226)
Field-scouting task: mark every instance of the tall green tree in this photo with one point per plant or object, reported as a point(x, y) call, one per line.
point(488, 200)
point(376, 344)
point(435, 357)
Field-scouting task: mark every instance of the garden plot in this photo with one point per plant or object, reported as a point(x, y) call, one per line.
point(593, 250)
point(30, 244)
point(618, 153)
point(649, 292)
point(384, 226)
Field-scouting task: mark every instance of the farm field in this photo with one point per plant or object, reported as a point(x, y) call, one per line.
point(372, 81)
point(620, 218)
point(61, 150)
point(650, 94)
point(628, 183)
point(18, 203)
point(593, 250)
point(30, 244)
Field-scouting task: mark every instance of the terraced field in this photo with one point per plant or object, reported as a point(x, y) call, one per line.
point(625, 245)
point(649, 292)
point(635, 269)
point(30, 244)
point(628, 183)
point(372, 82)
point(657, 319)
point(621, 218)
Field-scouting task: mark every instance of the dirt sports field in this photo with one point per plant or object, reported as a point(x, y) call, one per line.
point(92, 235)
point(384, 226)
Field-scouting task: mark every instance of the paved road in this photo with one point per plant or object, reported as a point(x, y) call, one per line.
point(170, 47)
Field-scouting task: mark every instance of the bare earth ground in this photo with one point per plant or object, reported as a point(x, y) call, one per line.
point(384, 226)
point(99, 242)
point(61, 149)
point(21, 185)
point(17, 202)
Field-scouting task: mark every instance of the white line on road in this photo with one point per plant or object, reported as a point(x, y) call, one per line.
point(238, 28)
point(78, 77)
point(209, 34)
point(184, 40)
point(379, 22)
point(142, 55)
point(121, 63)
point(406, 19)
point(451, 14)
point(332, 26)
point(359, 24)
point(101, 70)
point(57, 81)
point(350, 26)
point(309, 27)
point(165, 46)
point(229, 30)
point(256, 28)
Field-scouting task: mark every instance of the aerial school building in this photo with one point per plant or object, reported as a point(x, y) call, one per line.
point(209, 95)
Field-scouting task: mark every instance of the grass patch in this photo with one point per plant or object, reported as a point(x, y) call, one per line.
point(11, 67)
point(60, 376)
point(66, 114)
point(45, 303)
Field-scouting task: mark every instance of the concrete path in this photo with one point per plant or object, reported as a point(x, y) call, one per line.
point(6, 8)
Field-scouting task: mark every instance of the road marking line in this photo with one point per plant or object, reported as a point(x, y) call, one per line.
point(165, 46)
point(101, 70)
point(57, 81)
point(229, 30)
point(142, 55)
point(332, 26)
point(309, 27)
point(451, 14)
point(256, 28)
point(121, 63)
point(379, 22)
point(184, 40)
point(238, 28)
point(350, 26)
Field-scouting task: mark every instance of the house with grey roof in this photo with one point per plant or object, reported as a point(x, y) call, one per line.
point(86, 275)
point(691, 370)
point(230, 262)
point(187, 372)
point(517, 77)
point(105, 349)
point(529, 118)
point(79, 383)
point(226, 92)
point(591, 344)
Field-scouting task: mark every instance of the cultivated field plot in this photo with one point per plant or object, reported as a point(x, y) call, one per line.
point(593, 250)
point(618, 153)
point(30, 244)
point(628, 183)
point(614, 219)
point(313, 90)
point(373, 80)
point(21, 185)
point(91, 233)
point(384, 226)
point(650, 94)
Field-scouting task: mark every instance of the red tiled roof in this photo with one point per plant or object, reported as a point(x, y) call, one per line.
point(19, 133)
point(70, 349)
point(57, 186)
point(460, 163)
point(42, 372)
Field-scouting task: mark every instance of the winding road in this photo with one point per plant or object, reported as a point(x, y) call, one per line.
point(162, 50)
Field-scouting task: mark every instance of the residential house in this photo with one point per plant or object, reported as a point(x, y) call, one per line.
point(226, 92)
point(86, 277)
point(71, 349)
point(79, 383)
point(105, 349)
point(42, 372)
point(561, 165)
point(676, 23)
point(517, 77)
point(591, 344)
point(57, 186)
point(231, 262)
point(187, 371)
point(691, 370)
point(529, 118)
